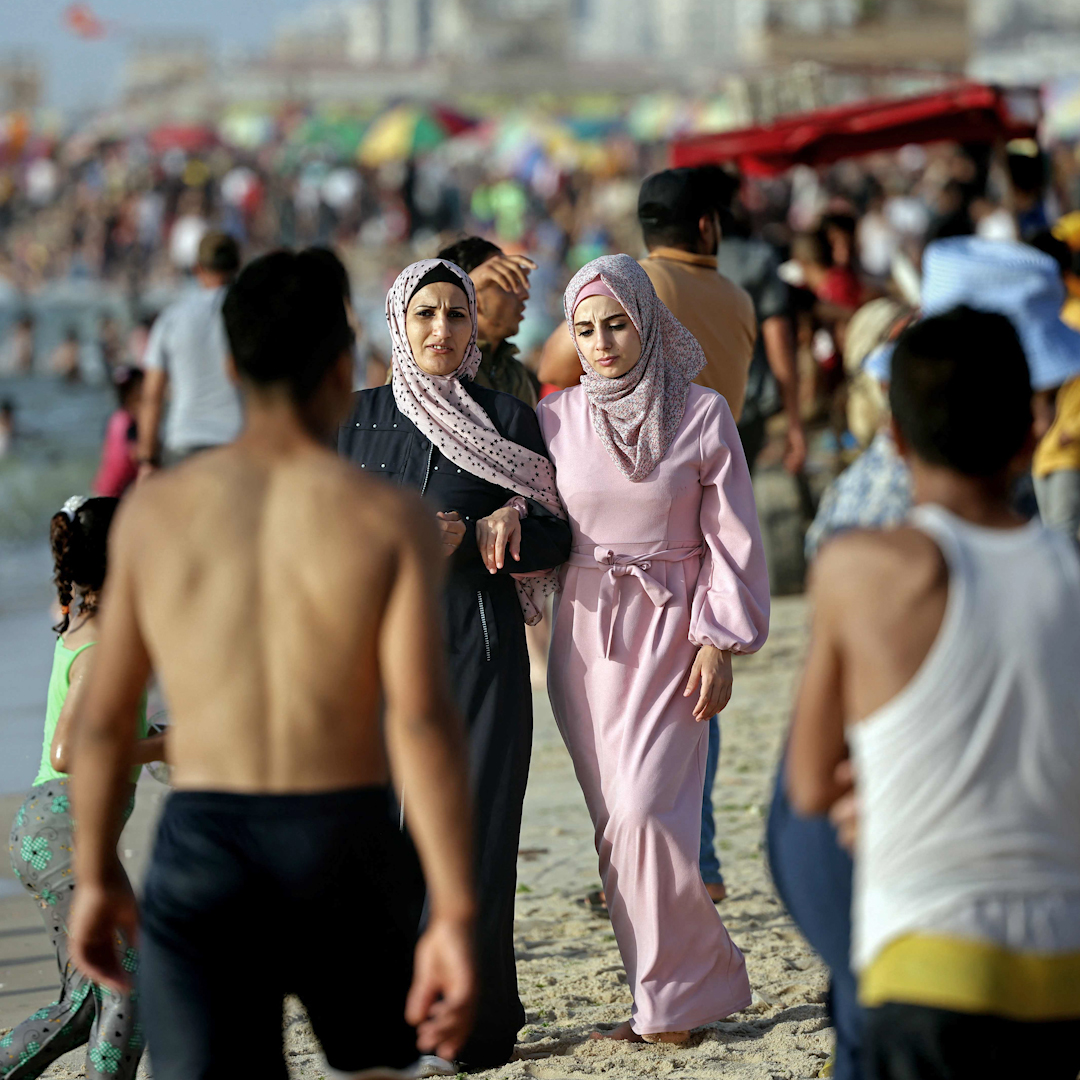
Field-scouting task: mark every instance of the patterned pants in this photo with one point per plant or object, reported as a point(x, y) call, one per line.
point(85, 1013)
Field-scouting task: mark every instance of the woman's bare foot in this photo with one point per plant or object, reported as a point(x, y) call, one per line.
point(674, 1038)
point(717, 891)
point(623, 1033)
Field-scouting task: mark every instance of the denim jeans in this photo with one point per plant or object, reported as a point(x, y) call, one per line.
point(812, 875)
point(707, 860)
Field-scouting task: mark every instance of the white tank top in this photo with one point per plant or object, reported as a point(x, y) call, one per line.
point(969, 779)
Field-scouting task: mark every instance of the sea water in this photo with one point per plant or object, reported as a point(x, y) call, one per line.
point(58, 433)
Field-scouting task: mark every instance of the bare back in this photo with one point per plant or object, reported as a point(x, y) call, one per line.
point(260, 588)
point(884, 594)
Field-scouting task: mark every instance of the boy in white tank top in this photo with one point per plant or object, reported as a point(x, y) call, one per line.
point(942, 672)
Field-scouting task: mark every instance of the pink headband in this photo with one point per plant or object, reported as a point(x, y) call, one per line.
point(596, 287)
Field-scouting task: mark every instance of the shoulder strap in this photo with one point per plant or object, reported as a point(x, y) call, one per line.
point(80, 650)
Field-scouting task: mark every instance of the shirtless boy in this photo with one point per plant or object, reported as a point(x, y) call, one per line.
point(279, 867)
point(944, 655)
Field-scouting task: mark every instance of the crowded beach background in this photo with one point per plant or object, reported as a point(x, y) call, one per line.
point(386, 131)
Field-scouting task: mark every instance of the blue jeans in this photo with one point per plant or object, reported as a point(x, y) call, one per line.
point(812, 874)
point(707, 859)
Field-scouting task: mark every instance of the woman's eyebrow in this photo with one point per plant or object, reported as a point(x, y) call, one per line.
point(606, 318)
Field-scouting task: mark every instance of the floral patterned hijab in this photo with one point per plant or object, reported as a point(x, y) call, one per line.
point(637, 414)
point(447, 415)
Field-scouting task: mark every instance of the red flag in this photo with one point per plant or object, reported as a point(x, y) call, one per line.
point(80, 19)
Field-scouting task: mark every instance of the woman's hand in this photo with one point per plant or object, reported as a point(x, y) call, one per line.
point(451, 531)
point(509, 272)
point(712, 668)
point(497, 532)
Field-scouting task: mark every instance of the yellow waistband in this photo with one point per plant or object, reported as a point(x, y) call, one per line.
point(973, 977)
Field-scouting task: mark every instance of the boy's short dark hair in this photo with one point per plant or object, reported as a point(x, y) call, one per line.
point(286, 323)
point(960, 391)
point(672, 202)
point(470, 252)
point(335, 266)
point(219, 253)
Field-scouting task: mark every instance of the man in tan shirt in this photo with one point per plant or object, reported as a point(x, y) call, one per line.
point(680, 222)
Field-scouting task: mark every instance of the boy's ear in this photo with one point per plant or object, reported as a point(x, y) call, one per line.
point(1022, 460)
point(230, 369)
point(902, 447)
point(343, 371)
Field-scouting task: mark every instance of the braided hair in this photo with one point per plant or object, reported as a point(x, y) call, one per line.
point(79, 541)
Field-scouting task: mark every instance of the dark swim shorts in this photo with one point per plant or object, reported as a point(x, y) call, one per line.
point(252, 897)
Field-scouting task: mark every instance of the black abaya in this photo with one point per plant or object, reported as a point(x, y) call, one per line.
point(488, 665)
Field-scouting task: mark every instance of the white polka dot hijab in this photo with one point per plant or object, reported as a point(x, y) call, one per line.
point(445, 413)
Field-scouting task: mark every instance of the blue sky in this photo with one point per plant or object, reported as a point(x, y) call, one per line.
point(87, 73)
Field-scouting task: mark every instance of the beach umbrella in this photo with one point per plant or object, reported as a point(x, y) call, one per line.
point(247, 129)
point(408, 130)
point(656, 116)
point(340, 133)
point(187, 137)
point(1061, 101)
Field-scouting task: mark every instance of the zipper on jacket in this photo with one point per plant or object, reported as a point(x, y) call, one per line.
point(484, 625)
point(427, 470)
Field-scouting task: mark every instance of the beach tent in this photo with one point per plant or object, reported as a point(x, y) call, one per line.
point(967, 112)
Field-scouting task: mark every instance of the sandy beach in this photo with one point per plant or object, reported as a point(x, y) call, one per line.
point(570, 974)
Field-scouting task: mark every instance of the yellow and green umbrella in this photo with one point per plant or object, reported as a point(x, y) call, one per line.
point(408, 130)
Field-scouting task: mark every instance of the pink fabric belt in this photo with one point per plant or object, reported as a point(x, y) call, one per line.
point(617, 566)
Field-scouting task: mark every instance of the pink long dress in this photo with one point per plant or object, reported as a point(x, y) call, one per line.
point(658, 568)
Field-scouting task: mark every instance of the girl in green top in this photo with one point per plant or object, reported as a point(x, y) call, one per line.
point(41, 837)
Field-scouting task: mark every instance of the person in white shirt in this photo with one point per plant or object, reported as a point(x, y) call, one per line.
point(186, 356)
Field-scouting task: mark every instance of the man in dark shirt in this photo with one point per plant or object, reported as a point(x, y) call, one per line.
point(773, 383)
point(502, 287)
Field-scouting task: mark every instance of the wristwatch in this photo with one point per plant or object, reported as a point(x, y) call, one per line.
point(520, 505)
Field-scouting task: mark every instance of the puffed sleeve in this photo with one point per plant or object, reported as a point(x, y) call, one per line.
point(731, 600)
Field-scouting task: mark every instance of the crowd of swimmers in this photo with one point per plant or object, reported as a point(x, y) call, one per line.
point(334, 605)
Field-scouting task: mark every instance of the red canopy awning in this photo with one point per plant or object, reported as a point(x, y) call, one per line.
point(189, 137)
point(969, 113)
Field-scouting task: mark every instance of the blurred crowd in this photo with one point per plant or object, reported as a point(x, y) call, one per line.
point(128, 214)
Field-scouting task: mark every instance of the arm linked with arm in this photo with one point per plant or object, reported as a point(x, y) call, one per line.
point(545, 538)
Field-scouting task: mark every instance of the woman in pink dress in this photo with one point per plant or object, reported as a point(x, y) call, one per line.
point(666, 580)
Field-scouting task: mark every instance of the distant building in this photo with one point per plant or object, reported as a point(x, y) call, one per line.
point(20, 83)
point(1021, 42)
point(780, 55)
point(927, 35)
point(160, 66)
